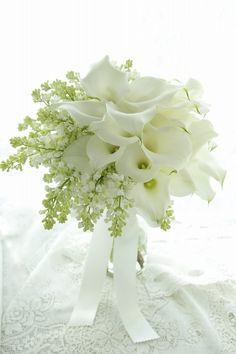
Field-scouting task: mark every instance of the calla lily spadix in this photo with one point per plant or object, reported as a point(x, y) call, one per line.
point(166, 146)
point(134, 163)
point(152, 198)
point(101, 153)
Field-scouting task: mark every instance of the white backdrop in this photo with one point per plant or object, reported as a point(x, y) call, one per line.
point(43, 39)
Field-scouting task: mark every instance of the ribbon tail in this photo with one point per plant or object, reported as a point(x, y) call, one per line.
point(124, 258)
point(93, 278)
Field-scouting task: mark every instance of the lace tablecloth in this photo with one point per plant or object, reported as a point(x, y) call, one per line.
point(187, 291)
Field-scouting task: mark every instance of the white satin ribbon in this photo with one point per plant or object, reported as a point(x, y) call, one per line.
point(124, 261)
point(93, 278)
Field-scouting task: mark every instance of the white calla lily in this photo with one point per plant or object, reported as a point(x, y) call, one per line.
point(173, 116)
point(132, 123)
point(190, 96)
point(189, 91)
point(75, 155)
point(201, 182)
point(194, 92)
point(101, 153)
point(84, 112)
point(195, 178)
point(194, 88)
point(135, 164)
point(181, 183)
point(201, 132)
point(152, 198)
point(109, 131)
point(105, 81)
point(208, 164)
point(166, 146)
point(147, 91)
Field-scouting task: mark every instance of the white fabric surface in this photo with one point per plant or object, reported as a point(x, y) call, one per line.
point(187, 292)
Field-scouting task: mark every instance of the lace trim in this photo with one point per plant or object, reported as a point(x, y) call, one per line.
point(192, 318)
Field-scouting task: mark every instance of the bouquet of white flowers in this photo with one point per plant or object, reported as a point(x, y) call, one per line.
point(115, 140)
point(116, 144)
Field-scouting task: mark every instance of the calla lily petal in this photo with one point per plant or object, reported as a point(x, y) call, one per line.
point(173, 116)
point(131, 122)
point(102, 153)
point(196, 177)
point(201, 181)
point(194, 88)
point(148, 91)
point(190, 91)
point(146, 88)
point(109, 131)
point(181, 183)
point(190, 95)
point(105, 81)
point(152, 198)
point(201, 132)
point(75, 155)
point(210, 166)
point(167, 146)
point(84, 112)
point(135, 164)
